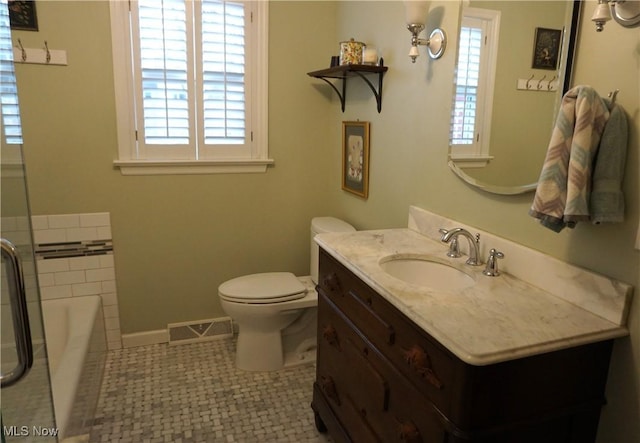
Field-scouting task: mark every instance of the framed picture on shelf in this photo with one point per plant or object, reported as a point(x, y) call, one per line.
point(546, 48)
point(355, 158)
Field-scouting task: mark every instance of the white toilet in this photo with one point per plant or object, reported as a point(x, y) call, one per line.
point(276, 312)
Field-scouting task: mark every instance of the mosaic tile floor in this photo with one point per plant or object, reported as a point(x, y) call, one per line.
point(194, 393)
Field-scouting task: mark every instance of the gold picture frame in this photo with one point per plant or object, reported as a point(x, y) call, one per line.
point(355, 158)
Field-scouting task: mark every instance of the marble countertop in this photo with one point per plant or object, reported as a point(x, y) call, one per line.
point(497, 319)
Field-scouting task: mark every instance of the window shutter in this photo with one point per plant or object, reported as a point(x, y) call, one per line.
point(466, 94)
point(191, 85)
point(164, 74)
point(223, 72)
point(8, 88)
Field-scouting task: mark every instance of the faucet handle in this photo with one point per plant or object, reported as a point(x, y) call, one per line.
point(454, 249)
point(492, 263)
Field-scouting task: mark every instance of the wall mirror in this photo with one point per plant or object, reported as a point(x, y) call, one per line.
point(513, 66)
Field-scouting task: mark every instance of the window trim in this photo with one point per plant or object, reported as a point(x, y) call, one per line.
point(478, 154)
point(127, 161)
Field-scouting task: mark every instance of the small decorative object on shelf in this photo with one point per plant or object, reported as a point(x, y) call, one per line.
point(343, 72)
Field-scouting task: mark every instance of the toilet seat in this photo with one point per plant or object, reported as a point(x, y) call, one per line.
point(268, 287)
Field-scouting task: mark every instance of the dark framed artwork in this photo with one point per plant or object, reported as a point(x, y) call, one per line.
point(355, 158)
point(546, 48)
point(22, 15)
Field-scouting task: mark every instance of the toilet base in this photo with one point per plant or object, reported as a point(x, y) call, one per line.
point(265, 353)
point(292, 359)
point(259, 351)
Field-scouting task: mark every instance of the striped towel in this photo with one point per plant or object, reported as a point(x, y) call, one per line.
point(562, 195)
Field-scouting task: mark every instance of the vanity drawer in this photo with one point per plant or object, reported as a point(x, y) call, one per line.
point(360, 379)
point(353, 298)
point(429, 367)
point(350, 383)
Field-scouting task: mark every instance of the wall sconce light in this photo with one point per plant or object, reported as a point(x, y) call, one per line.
point(416, 17)
point(625, 12)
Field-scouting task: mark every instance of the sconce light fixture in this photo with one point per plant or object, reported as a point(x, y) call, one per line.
point(625, 12)
point(416, 17)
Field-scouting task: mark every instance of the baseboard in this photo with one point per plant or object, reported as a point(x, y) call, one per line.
point(145, 338)
point(182, 333)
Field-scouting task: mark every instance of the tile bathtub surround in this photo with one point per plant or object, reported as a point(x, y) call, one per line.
point(74, 255)
point(194, 393)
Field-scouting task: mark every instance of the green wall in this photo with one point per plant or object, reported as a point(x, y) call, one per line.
point(178, 237)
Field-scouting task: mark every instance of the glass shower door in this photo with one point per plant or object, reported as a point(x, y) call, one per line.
point(26, 403)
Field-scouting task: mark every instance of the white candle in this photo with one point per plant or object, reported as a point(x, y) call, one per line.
point(370, 56)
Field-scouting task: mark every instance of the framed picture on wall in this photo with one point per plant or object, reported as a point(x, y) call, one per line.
point(22, 15)
point(546, 48)
point(355, 158)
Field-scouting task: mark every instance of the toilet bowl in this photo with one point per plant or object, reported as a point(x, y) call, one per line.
point(276, 312)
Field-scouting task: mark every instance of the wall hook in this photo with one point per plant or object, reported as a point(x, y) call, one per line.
point(529, 81)
point(48, 53)
point(23, 51)
point(612, 95)
point(540, 82)
point(550, 81)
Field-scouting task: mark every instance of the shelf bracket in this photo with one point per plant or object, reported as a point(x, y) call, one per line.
point(344, 90)
point(377, 94)
point(344, 72)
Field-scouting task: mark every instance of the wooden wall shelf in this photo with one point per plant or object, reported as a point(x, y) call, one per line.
point(344, 72)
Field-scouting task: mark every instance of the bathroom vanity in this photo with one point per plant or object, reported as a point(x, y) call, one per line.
point(499, 361)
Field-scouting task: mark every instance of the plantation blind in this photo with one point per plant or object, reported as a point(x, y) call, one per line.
point(463, 120)
point(192, 78)
point(223, 72)
point(164, 71)
point(9, 106)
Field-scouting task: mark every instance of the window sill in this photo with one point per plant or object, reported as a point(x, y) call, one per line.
point(471, 161)
point(185, 167)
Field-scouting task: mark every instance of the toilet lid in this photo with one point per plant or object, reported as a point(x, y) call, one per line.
point(269, 287)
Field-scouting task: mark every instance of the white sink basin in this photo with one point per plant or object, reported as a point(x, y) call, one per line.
point(427, 272)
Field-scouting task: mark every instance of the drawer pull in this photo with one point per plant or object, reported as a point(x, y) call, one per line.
point(419, 360)
point(409, 432)
point(330, 334)
point(331, 282)
point(328, 386)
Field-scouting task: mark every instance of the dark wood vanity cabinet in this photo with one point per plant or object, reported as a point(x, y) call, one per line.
point(381, 378)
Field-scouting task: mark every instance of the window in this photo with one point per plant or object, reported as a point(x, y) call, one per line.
point(11, 124)
point(191, 85)
point(473, 97)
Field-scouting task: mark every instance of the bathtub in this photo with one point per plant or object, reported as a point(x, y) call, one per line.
point(76, 347)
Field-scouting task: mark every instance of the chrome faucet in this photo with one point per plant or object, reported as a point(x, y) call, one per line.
point(454, 249)
point(474, 243)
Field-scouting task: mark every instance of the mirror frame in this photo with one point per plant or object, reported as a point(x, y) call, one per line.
point(571, 40)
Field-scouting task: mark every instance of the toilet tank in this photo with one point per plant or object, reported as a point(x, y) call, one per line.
point(318, 226)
